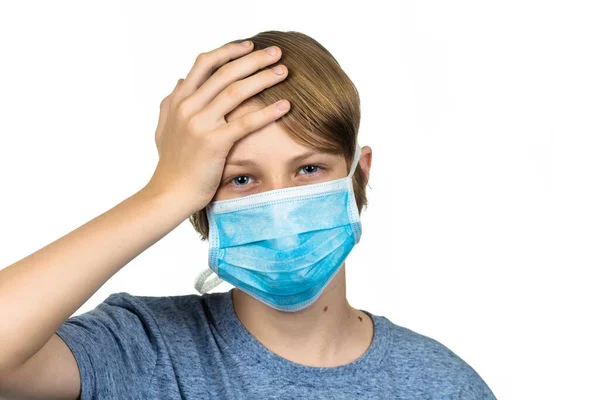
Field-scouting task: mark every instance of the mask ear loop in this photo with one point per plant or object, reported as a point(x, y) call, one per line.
point(357, 153)
point(203, 285)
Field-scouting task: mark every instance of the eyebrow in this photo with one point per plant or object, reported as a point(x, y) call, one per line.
point(252, 163)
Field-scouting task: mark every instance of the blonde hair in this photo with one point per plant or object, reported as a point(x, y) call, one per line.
point(325, 105)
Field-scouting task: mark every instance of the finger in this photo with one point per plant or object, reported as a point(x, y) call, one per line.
point(238, 128)
point(207, 63)
point(229, 73)
point(239, 91)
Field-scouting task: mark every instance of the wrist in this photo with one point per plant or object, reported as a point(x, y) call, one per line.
point(176, 198)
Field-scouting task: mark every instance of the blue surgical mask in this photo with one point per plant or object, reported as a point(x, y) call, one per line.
point(283, 246)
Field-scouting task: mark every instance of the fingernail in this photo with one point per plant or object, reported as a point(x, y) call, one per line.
point(283, 105)
point(272, 51)
point(247, 43)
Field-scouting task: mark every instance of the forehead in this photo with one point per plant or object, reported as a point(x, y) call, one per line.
point(270, 140)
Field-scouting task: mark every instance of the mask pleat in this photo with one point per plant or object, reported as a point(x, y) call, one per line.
point(259, 258)
point(286, 284)
point(277, 220)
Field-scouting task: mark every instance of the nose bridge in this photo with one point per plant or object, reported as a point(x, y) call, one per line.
point(277, 181)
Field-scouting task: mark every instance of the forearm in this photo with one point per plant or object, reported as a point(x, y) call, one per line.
point(41, 291)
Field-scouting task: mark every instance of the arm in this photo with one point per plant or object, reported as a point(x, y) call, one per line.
point(38, 293)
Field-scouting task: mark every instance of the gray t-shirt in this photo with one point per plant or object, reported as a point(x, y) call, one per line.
point(195, 347)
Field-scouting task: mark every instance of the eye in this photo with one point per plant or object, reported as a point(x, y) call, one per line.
point(309, 169)
point(241, 180)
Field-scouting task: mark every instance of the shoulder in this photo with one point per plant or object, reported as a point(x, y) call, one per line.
point(168, 310)
point(427, 361)
point(419, 348)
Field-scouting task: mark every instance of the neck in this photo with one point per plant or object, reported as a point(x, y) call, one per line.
point(328, 333)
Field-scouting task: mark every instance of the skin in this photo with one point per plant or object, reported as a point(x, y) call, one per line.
point(330, 332)
point(193, 139)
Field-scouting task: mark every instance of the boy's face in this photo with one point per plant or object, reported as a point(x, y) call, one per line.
point(269, 159)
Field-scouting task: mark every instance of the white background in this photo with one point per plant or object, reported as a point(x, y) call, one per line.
point(483, 225)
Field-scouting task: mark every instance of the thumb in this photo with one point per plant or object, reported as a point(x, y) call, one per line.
point(164, 109)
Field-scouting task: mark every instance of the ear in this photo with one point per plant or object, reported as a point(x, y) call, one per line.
point(365, 160)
